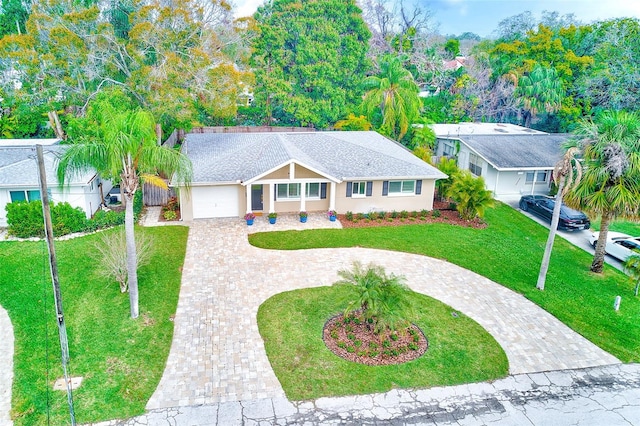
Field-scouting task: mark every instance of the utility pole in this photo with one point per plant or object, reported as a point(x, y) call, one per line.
point(48, 229)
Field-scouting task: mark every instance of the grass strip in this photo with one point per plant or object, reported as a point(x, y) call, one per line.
point(120, 359)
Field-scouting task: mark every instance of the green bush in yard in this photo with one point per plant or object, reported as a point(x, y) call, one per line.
point(67, 219)
point(25, 219)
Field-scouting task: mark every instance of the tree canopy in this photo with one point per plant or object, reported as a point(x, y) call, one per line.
point(309, 60)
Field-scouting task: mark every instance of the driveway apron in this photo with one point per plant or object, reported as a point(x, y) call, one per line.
point(217, 354)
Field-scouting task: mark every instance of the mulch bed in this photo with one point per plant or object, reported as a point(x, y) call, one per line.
point(447, 215)
point(353, 339)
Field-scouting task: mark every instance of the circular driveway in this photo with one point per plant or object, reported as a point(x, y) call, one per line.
point(217, 353)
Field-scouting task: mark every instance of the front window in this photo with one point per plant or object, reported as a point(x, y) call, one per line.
point(288, 191)
point(402, 187)
point(24, 195)
point(540, 177)
point(359, 189)
point(313, 190)
point(447, 150)
point(475, 164)
point(291, 191)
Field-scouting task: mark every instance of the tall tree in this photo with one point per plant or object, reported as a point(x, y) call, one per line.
point(309, 58)
point(610, 186)
point(391, 100)
point(539, 91)
point(566, 174)
point(124, 148)
point(614, 80)
point(13, 16)
point(182, 60)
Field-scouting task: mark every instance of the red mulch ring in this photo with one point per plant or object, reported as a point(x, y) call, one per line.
point(447, 215)
point(353, 339)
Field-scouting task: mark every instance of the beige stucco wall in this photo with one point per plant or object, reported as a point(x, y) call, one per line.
point(378, 202)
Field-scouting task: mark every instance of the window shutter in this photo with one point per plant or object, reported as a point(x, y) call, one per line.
point(418, 187)
point(369, 188)
point(275, 191)
point(349, 188)
point(385, 187)
point(323, 190)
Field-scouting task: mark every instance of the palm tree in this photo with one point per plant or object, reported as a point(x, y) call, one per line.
point(380, 297)
point(448, 166)
point(610, 185)
point(540, 90)
point(125, 149)
point(632, 267)
point(391, 98)
point(567, 170)
point(470, 195)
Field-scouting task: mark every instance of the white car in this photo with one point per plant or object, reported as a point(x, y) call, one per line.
point(619, 245)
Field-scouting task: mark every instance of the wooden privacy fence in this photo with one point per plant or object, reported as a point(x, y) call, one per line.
point(249, 129)
point(155, 196)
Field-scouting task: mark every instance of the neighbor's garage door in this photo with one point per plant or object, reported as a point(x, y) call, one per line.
point(215, 201)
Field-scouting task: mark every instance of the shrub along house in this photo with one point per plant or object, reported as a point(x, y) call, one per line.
point(513, 160)
point(19, 179)
point(236, 173)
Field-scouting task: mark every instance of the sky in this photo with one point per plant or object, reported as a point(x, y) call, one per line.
point(483, 16)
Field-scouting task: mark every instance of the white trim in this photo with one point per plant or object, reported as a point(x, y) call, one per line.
point(290, 163)
point(332, 197)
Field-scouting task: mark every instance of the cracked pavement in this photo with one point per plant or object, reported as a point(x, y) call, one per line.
point(608, 395)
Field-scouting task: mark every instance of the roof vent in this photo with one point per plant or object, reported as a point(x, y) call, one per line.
point(501, 130)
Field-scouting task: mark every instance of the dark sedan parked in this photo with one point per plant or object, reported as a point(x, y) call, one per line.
point(542, 206)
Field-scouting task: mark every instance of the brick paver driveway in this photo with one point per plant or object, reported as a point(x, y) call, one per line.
point(217, 354)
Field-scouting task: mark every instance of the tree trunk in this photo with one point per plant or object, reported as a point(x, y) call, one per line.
point(54, 120)
point(132, 272)
point(598, 258)
point(555, 218)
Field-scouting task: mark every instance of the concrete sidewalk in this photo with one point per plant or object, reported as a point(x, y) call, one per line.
point(6, 367)
point(595, 396)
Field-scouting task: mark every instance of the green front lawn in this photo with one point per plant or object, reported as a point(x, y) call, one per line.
point(508, 252)
point(291, 324)
point(120, 359)
point(624, 226)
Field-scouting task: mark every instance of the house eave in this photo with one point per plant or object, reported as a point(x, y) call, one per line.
point(285, 164)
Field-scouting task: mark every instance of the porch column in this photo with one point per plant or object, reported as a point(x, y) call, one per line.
point(272, 189)
point(332, 196)
point(533, 182)
point(249, 201)
point(303, 196)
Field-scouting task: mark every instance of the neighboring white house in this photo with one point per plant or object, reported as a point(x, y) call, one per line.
point(513, 160)
point(19, 180)
point(235, 173)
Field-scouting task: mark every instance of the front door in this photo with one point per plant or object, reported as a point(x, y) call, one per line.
point(256, 198)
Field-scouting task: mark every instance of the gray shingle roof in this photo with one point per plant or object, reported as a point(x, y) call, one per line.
point(518, 151)
point(231, 157)
point(18, 167)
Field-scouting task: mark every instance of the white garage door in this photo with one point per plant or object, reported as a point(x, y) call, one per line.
point(215, 201)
